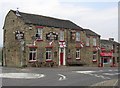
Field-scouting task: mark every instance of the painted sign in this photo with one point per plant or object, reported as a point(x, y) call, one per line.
point(106, 54)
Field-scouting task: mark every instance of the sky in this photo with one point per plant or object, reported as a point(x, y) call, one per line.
point(101, 16)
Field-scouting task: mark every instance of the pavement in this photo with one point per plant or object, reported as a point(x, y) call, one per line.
point(113, 82)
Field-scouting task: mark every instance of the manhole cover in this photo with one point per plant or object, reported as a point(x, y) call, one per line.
point(21, 75)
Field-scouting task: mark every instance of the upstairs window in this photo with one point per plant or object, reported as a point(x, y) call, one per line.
point(94, 41)
point(77, 36)
point(61, 35)
point(87, 41)
point(39, 33)
point(72, 35)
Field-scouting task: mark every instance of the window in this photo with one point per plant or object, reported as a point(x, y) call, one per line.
point(61, 35)
point(94, 56)
point(77, 53)
point(94, 41)
point(118, 60)
point(77, 36)
point(48, 54)
point(72, 35)
point(32, 54)
point(87, 41)
point(105, 60)
point(117, 48)
point(39, 33)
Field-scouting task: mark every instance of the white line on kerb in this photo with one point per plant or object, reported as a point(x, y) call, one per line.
point(62, 77)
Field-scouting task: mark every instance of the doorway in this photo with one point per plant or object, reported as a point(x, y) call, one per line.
point(61, 56)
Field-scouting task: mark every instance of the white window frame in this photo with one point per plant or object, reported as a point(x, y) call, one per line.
point(77, 53)
point(87, 41)
point(94, 55)
point(77, 36)
point(39, 32)
point(49, 51)
point(33, 52)
point(61, 35)
point(94, 41)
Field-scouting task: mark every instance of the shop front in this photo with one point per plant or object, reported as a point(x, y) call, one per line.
point(106, 59)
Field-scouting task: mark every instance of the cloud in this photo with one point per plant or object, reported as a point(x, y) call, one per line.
point(102, 21)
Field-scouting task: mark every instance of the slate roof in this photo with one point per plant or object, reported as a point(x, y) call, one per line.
point(108, 41)
point(90, 32)
point(47, 21)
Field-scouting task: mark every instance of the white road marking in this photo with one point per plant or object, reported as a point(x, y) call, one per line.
point(115, 83)
point(90, 73)
point(85, 72)
point(116, 70)
point(110, 70)
point(111, 74)
point(21, 75)
point(101, 70)
point(62, 77)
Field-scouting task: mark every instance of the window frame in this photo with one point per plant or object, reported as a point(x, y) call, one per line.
point(77, 54)
point(88, 41)
point(48, 52)
point(33, 52)
point(61, 38)
point(39, 33)
point(77, 36)
point(94, 56)
point(94, 41)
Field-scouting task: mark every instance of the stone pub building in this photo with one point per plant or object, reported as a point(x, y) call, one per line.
point(35, 40)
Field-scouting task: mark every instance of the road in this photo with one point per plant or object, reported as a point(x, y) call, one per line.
point(61, 76)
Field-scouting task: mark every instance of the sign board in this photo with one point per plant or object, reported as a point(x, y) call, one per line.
point(19, 35)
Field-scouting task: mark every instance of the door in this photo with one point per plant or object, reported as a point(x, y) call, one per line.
point(102, 62)
point(61, 56)
point(113, 61)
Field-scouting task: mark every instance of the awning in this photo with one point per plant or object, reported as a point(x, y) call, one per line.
point(106, 54)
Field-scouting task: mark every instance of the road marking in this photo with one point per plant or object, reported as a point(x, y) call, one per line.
point(85, 72)
point(101, 70)
point(97, 75)
point(110, 70)
point(22, 75)
point(115, 83)
point(111, 74)
point(116, 70)
point(62, 77)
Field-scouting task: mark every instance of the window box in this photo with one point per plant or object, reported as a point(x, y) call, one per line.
point(49, 60)
point(38, 40)
point(78, 59)
point(32, 61)
point(94, 60)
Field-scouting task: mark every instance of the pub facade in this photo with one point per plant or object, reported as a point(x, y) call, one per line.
point(35, 40)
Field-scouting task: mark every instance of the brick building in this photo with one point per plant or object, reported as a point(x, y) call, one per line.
point(110, 53)
point(35, 40)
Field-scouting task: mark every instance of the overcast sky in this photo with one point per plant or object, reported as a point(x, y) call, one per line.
point(101, 16)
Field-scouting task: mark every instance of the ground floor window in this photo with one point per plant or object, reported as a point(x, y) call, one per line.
point(94, 56)
point(48, 54)
point(106, 60)
point(32, 54)
point(77, 53)
point(118, 60)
